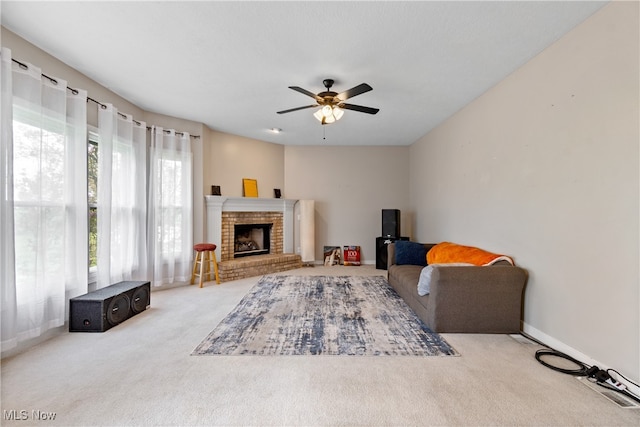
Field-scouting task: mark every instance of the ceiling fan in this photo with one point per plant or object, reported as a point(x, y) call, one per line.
point(332, 103)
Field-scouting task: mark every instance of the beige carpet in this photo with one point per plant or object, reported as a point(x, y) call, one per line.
point(141, 373)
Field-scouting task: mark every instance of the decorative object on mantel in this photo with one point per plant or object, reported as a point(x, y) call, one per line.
point(277, 193)
point(323, 315)
point(215, 190)
point(250, 187)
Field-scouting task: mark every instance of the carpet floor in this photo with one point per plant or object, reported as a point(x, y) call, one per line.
point(140, 373)
point(323, 315)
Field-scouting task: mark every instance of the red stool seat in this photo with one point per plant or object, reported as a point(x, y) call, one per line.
point(204, 247)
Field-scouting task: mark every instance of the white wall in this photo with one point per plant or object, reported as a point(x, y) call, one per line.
point(350, 186)
point(545, 167)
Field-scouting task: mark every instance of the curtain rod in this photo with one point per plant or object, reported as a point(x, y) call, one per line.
point(75, 92)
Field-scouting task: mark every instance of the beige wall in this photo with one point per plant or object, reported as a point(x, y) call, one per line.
point(350, 186)
point(24, 51)
point(230, 158)
point(545, 167)
point(227, 159)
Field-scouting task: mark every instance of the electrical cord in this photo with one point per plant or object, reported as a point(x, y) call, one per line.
point(582, 371)
point(593, 373)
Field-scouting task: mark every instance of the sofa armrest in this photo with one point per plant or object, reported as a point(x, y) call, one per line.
point(391, 255)
point(476, 299)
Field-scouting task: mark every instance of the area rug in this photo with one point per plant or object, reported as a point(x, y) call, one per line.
point(323, 315)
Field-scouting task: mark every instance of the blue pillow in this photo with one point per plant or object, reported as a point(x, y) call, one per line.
point(410, 253)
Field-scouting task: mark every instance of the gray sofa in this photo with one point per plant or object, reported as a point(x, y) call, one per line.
point(463, 299)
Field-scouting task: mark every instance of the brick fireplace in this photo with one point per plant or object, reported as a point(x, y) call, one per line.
point(224, 214)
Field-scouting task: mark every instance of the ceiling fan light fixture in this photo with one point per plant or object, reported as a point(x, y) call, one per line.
point(328, 114)
point(332, 104)
point(338, 112)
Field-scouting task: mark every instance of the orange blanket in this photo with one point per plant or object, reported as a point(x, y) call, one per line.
point(447, 252)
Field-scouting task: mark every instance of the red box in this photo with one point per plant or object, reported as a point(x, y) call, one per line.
point(351, 255)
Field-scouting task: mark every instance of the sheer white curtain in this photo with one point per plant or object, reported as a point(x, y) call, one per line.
point(121, 205)
point(43, 264)
point(170, 206)
point(7, 250)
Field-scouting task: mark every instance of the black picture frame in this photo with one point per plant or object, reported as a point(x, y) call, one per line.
point(215, 190)
point(277, 193)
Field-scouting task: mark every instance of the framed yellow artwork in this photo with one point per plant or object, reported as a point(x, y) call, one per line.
point(250, 187)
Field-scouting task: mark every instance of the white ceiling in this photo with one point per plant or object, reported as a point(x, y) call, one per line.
point(229, 64)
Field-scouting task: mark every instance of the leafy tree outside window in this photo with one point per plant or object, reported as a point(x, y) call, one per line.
point(92, 176)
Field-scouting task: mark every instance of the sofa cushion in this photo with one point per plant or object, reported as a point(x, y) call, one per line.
point(410, 253)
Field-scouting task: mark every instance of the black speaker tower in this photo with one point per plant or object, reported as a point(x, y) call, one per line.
point(100, 310)
point(381, 250)
point(390, 222)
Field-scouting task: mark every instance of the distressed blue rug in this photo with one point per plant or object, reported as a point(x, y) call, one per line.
point(323, 315)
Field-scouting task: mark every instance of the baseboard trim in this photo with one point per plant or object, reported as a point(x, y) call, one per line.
point(552, 342)
point(555, 344)
point(321, 262)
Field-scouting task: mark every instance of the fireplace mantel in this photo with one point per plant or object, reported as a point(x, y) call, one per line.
point(218, 204)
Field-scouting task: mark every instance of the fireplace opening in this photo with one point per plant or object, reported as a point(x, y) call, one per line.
point(251, 239)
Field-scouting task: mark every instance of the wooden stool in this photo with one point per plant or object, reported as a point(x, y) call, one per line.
point(205, 256)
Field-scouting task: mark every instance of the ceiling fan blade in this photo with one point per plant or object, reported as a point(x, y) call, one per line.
point(298, 108)
point(306, 92)
point(358, 108)
point(354, 91)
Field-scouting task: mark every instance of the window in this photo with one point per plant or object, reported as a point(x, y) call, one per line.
point(170, 206)
point(39, 207)
point(92, 178)
point(171, 193)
